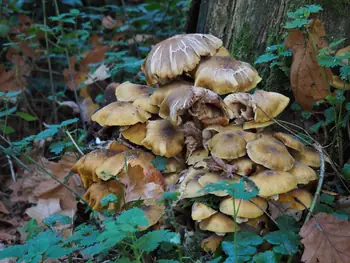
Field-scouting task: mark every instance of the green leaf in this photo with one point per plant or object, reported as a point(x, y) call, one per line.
point(57, 147)
point(8, 111)
point(323, 208)
point(99, 98)
point(345, 171)
point(6, 129)
point(327, 199)
point(305, 114)
point(126, 260)
point(72, 2)
point(68, 122)
point(95, 249)
point(347, 106)
point(247, 238)
point(160, 163)
point(32, 228)
point(297, 23)
point(110, 198)
point(15, 251)
point(47, 133)
point(243, 189)
point(134, 217)
point(57, 218)
point(265, 257)
point(57, 251)
point(171, 196)
point(167, 261)
point(342, 215)
point(150, 241)
point(216, 260)
point(267, 57)
point(287, 223)
point(329, 114)
point(296, 107)
point(26, 116)
point(316, 127)
point(286, 242)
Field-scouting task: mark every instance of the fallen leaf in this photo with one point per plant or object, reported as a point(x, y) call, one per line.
point(7, 237)
point(89, 108)
point(72, 105)
point(307, 80)
point(101, 73)
point(326, 239)
point(3, 209)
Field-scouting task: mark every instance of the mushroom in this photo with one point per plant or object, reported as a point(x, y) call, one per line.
point(193, 189)
point(290, 141)
point(209, 131)
point(244, 165)
point(223, 75)
point(272, 183)
point(171, 180)
point(144, 103)
point(162, 92)
point(129, 92)
point(298, 199)
point(197, 156)
point(244, 208)
point(337, 82)
point(163, 138)
point(211, 243)
point(240, 105)
point(135, 133)
point(177, 55)
point(223, 52)
point(153, 212)
point(303, 173)
point(119, 114)
point(309, 157)
point(218, 223)
point(256, 125)
point(270, 153)
point(200, 211)
point(227, 145)
point(212, 178)
point(174, 164)
point(117, 147)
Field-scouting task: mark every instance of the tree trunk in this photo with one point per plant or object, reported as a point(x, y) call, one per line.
point(248, 26)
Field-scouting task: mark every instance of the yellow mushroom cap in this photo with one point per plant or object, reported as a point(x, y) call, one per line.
point(193, 189)
point(177, 55)
point(256, 125)
point(303, 173)
point(245, 166)
point(299, 199)
point(247, 209)
point(135, 133)
point(144, 103)
point(161, 93)
point(338, 83)
point(211, 243)
point(117, 147)
point(240, 105)
point(223, 75)
point(197, 156)
point(218, 223)
point(227, 145)
point(209, 131)
point(247, 136)
point(211, 178)
point(173, 165)
point(153, 212)
point(268, 105)
point(309, 157)
point(129, 92)
point(223, 52)
point(290, 141)
point(163, 138)
point(270, 153)
point(119, 114)
point(200, 211)
point(171, 179)
point(273, 182)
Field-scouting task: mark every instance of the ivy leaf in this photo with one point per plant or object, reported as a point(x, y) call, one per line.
point(150, 241)
point(57, 218)
point(243, 189)
point(26, 116)
point(110, 198)
point(57, 147)
point(345, 171)
point(160, 163)
point(266, 257)
point(286, 242)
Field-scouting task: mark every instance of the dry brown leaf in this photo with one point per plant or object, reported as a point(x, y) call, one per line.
point(89, 108)
point(3, 209)
point(72, 105)
point(307, 80)
point(14, 79)
point(326, 239)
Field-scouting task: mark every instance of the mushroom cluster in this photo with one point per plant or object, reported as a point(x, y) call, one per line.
point(200, 112)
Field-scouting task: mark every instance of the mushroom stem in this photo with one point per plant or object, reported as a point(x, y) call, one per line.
point(320, 182)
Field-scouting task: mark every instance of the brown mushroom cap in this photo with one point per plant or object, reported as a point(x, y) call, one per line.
point(247, 209)
point(268, 105)
point(197, 156)
point(129, 92)
point(212, 178)
point(177, 55)
point(290, 141)
point(256, 125)
point(193, 189)
point(223, 75)
point(163, 138)
point(135, 133)
point(119, 114)
point(211, 243)
point(270, 153)
point(153, 212)
point(174, 165)
point(117, 147)
point(171, 179)
point(303, 173)
point(245, 166)
point(161, 93)
point(209, 131)
point(144, 103)
point(223, 52)
point(299, 199)
point(309, 157)
point(200, 211)
point(218, 223)
point(338, 83)
point(240, 105)
point(227, 145)
point(273, 182)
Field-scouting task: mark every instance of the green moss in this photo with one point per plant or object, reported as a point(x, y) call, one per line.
point(242, 46)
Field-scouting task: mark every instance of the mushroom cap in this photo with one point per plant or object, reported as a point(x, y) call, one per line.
point(268, 105)
point(177, 55)
point(174, 165)
point(163, 138)
point(273, 182)
point(117, 147)
point(303, 173)
point(240, 105)
point(161, 93)
point(200, 211)
point(256, 125)
point(270, 153)
point(223, 75)
point(211, 243)
point(135, 133)
point(119, 114)
point(247, 136)
point(144, 103)
point(211, 178)
point(193, 189)
point(227, 145)
point(175, 103)
point(299, 199)
point(218, 223)
point(171, 179)
point(338, 83)
point(309, 157)
point(87, 165)
point(209, 131)
point(247, 209)
point(290, 141)
point(153, 212)
point(245, 166)
point(223, 52)
point(129, 92)
point(197, 156)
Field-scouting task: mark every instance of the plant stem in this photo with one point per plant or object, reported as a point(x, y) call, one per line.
point(235, 226)
point(53, 90)
point(74, 143)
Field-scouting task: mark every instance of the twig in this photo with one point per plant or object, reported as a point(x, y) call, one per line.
point(74, 143)
point(320, 183)
point(265, 212)
point(11, 168)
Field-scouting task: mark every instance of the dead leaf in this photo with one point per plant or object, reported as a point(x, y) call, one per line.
point(110, 23)
point(3, 209)
point(95, 55)
point(72, 105)
point(14, 79)
point(89, 108)
point(326, 239)
point(307, 80)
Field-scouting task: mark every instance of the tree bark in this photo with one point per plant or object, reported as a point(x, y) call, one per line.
point(248, 26)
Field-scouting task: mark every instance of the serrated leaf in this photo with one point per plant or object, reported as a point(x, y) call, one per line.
point(46, 133)
point(56, 252)
point(216, 260)
point(94, 250)
point(134, 217)
point(68, 122)
point(266, 257)
point(297, 23)
point(287, 223)
point(26, 116)
point(110, 198)
point(72, 2)
point(286, 242)
point(150, 241)
point(315, 128)
point(32, 228)
point(171, 196)
point(160, 163)
point(57, 218)
point(126, 260)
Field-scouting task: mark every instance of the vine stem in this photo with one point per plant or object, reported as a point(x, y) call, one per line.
point(319, 185)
